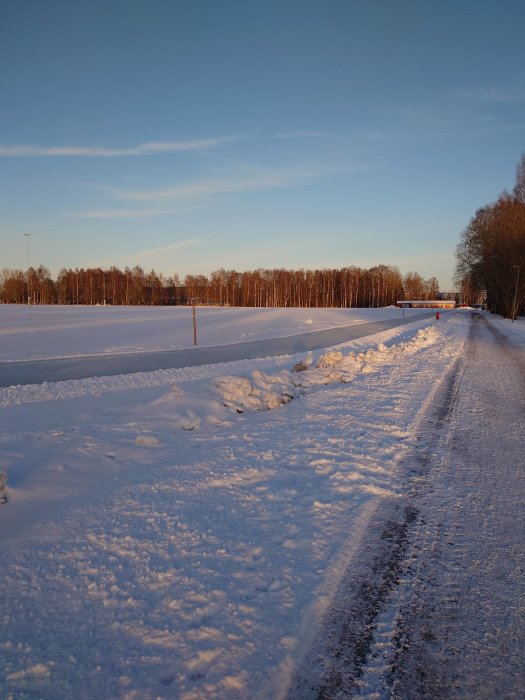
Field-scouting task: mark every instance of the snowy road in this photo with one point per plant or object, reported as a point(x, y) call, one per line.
point(437, 611)
point(62, 369)
point(461, 627)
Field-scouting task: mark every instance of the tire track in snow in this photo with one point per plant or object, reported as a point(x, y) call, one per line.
point(392, 636)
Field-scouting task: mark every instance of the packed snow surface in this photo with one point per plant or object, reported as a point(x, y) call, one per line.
point(181, 533)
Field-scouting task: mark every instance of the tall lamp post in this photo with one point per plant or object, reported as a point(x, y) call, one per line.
point(515, 305)
point(27, 237)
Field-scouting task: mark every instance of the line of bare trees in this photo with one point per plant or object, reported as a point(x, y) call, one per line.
point(88, 286)
point(491, 253)
point(347, 287)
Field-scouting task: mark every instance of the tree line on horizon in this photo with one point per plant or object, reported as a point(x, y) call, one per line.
point(491, 253)
point(378, 286)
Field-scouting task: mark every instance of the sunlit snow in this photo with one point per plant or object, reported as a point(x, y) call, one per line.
point(179, 534)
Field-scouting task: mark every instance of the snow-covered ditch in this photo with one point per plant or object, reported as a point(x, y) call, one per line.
point(166, 536)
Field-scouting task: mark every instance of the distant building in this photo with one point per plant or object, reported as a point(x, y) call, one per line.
point(428, 304)
point(448, 296)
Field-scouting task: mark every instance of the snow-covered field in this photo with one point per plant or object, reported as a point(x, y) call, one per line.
point(180, 534)
point(35, 332)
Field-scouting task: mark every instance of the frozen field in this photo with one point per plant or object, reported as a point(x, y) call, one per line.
point(38, 332)
point(183, 533)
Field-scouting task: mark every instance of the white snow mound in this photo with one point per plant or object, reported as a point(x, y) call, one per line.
point(214, 403)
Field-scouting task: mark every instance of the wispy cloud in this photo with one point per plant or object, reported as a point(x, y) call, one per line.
point(427, 121)
point(173, 200)
point(255, 180)
point(306, 134)
point(119, 213)
point(490, 94)
point(352, 137)
point(144, 149)
point(159, 256)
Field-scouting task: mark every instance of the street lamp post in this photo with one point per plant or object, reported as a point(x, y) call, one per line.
point(515, 305)
point(27, 237)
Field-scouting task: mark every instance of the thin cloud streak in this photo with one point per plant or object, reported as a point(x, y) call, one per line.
point(352, 137)
point(259, 180)
point(162, 253)
point(191, 194)
point(120, 213)
point(155, 147)
point(492, 95)
point(305, 134)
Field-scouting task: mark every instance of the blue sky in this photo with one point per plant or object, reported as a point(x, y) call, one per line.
point(188, 136)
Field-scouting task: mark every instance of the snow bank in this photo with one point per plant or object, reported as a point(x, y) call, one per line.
point(215, 403)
